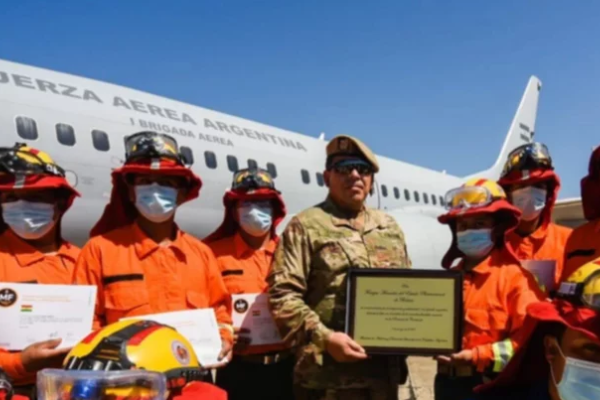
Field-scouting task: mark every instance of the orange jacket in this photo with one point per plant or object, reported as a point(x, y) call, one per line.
point(546, 243)
point(136, 276)
point(244, 271)
point(496, 293)
point(583, 245)
point(21, 263)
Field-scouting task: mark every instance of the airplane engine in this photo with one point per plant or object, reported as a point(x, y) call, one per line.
point(426, 239)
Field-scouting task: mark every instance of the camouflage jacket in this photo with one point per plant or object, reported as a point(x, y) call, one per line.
point(307, 286)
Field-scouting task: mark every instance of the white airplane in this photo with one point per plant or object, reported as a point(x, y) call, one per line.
point(81, 123)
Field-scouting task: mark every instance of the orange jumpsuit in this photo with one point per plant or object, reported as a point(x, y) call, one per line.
point(244, 271)
point(546, 243)
point(22, 263)
point(583, 245)
point(136, 276)
point(496, 294)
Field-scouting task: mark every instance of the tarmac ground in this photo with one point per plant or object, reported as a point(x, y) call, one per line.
point(419, 386)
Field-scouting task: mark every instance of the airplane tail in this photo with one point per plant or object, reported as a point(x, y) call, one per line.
point(521, 129)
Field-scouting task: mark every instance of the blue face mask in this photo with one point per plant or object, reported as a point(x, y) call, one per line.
point(580, 380)
point(29, 220)
point(475, 243)
point(255, 218)
point(155, 202)
point(530, 200)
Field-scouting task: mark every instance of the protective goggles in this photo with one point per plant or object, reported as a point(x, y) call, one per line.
point(15, 161)
point(468, 197)
point(345, 167)
point(6, 389)
point(527, 157)
point(586, 293)
point(148, 145)
point(58, 384)
point(252, 178)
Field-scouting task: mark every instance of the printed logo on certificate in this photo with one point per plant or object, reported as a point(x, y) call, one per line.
point(251, 311)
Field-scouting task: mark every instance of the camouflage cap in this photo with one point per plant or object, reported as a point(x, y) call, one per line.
point(347, 145)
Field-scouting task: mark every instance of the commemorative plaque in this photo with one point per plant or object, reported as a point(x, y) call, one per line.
point(405, 311)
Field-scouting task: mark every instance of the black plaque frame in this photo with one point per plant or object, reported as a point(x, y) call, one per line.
point(391, 273)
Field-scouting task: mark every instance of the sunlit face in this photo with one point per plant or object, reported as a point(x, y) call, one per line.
point(349, 182)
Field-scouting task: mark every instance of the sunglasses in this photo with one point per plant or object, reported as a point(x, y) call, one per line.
point(346, 167)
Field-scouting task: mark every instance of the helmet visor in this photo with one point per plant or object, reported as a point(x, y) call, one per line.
point(57, 384)
point(468, 197)
point(147, 145)
point(250, 178)
point(15, 161)
point(529, 156)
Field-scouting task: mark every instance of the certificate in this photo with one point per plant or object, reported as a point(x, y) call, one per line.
point(33, 313)
point(198, 326)
point(543, 272)
point(405, 311)
point(251, 311)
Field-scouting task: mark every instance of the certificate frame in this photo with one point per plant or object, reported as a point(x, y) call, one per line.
point(352, 302)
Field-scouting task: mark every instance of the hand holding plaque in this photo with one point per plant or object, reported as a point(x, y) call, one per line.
point(405, 311)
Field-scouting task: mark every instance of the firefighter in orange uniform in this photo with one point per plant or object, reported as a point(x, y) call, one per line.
point(583, 245)
point(496, 290)
point(532, 186)
point(244, 246)
point(34, 195)
point(141, 262)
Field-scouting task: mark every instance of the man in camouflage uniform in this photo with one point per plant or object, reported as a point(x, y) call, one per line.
point(307, 284)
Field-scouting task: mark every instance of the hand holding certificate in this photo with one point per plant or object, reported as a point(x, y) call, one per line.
point(36, 313)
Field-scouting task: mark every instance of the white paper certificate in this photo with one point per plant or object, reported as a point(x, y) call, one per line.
point(543, 271)
point(33, 313)
point(198, 326)
point(251, 311)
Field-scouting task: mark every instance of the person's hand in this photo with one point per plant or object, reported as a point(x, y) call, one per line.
point(42, 355)
point(343, 348)
point(240, 340)
point(224, 356)
point(464, 357)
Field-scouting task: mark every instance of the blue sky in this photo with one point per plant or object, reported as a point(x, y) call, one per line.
point(435, 83)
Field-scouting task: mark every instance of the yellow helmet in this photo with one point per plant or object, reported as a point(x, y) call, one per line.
point(138, 344)
point(24, 160)
point(474, 193)
point(583, 286)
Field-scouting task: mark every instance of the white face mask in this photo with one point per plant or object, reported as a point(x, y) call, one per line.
point(530, 200)
point(155, 202)
point(475, 243)
point(255, 218)
point(29, 220)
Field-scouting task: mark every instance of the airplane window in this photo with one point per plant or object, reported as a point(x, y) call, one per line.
point(252, 164)
point(305, 176)
point(65, 134)
point(187, 154)
point(396, 193)
point(426, 198)
point(232, 163)
point(434, 199)
point(384, 190)
point(442, 202)
point(27, 128)
point(100, 140)
point(406, 194)
point(272, 170)
point(320, 180)
point(210, 159)
point(416, 196)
